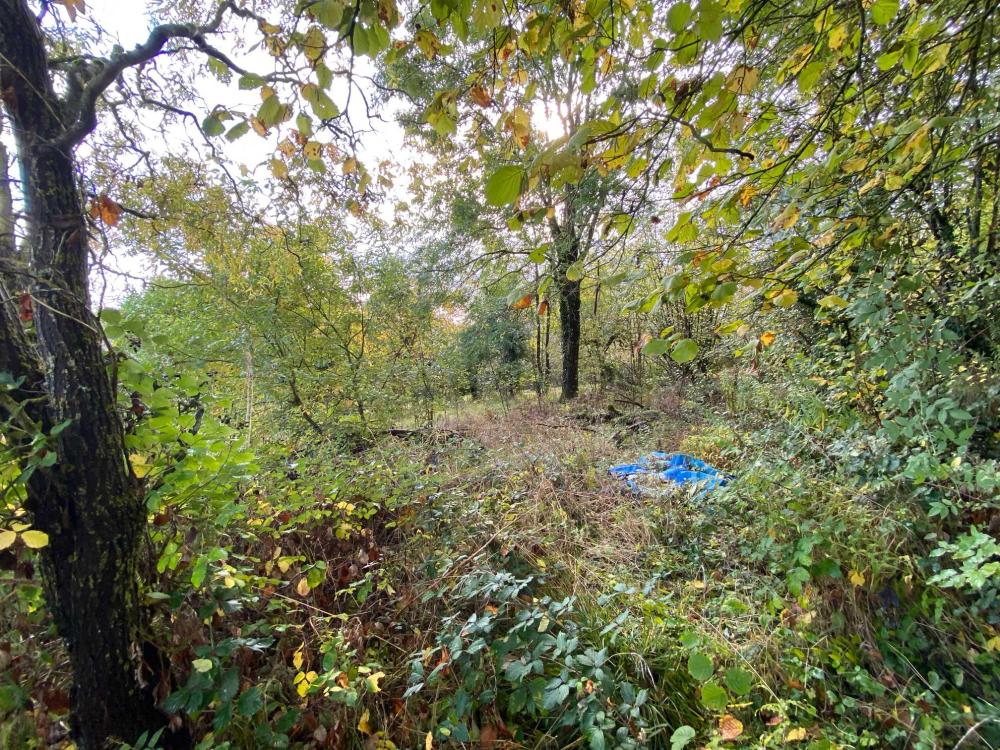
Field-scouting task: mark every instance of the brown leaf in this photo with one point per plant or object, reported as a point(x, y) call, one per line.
point(488, 736)
point(480, 96)
point(106, 210)
point(543, 307)
point(730, 727)
point(524, 303)
point(24, 308)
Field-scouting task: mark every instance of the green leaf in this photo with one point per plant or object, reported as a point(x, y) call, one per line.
point(199, 572)
point(739, 680)
point(596, 738)
point(681, 737)
point(888, 60)
point(575, 271)
point(504, 186)
point(884, 11)
point(250, 702)
point(250, 81)
point(809, 75)
point(714, 697)
point(212, 126)
point(656, 347)
point(699, 665)
point(710, 20)
point(322, 105)
point(111, 316)
point(678, 17)
point(684, 351)
point(238, 130)
point(272, 111)
point(328, 12)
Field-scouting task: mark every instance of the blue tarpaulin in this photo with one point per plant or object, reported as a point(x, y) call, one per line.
point(678, 468)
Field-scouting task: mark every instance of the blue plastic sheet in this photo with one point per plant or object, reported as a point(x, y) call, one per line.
point(677, 468)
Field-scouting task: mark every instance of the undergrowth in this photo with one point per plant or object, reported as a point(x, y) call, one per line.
point(489, 585)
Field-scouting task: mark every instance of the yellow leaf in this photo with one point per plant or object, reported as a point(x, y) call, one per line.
point(258, 126)
point(298, 658)
point(312, 150)
point(854, 165)
point(350, 165)
point(284, 564)
point(730, 727)
point(746, 194)
point(428, 741)
point(303, 587)
point(786, 298)
point(139, 467)
point(787, 218)
point(279, 169)
point(993, 644)
point(7, 538)
point(795, 735)
point(858, 579)
point(742, 80)
point(766, 339)
point(837, 36)
point(372, 681)
point(870, 185)
point(363, 723)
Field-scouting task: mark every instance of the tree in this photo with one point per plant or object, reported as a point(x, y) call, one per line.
point(84, 496)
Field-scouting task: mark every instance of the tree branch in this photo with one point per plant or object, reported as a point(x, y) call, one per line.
point(118, 63)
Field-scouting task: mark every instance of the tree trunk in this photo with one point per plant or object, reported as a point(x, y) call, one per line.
point(569, 316)
point(569, 322)
point(88, 503)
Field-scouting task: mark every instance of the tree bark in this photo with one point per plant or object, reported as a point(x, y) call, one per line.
point(569, 321)
point(89, 503)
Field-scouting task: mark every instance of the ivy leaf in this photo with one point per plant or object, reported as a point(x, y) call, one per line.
point(504, 186)
point(684, 351)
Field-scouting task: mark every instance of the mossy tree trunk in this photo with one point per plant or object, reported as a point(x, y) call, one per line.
point(89, 502)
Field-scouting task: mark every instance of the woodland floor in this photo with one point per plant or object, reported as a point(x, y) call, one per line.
point(441, 588)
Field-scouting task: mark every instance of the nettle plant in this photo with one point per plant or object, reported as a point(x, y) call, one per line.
point(523, 659)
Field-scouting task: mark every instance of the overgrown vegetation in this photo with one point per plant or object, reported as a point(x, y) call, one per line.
point(333, 471)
